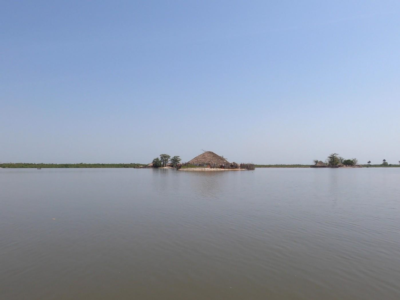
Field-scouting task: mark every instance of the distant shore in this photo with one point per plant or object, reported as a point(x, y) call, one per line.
point(140, 166)
point(67, 166)
point(308, 166)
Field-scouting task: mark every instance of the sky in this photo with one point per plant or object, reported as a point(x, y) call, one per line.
point(266, 82)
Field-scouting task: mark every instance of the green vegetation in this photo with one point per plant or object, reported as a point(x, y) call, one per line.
point(335, 161)
point(164, 159)
point(384, 164)
point(350, 162)
point(157, 163)
point(81, 165)
point(175, 161)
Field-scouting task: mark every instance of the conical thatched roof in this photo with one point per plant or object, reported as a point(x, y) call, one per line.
point(320, 164)
point(209, 157)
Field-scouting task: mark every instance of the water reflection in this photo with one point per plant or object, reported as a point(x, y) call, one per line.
point(162, 234)
point(333, 186)
point(206, 184)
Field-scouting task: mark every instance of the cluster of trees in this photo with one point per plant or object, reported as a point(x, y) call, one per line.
point(334, 160)
point(163, 160)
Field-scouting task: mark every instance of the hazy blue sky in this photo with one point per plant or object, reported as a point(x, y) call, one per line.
point(257, 81)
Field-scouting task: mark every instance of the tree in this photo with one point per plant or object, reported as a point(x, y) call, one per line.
point(333, 159)
point(355, 161)
point(341, 159)
point(316, 161)
point(157, 163)
point(348, 162)
point(384, 163)
point(164, 159)
point(175, 161)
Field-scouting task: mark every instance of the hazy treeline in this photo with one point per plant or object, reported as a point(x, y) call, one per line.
point(137, 165)
point(80, 165)
point(308, 166)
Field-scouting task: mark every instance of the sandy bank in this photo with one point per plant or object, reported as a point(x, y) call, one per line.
point(209, 170)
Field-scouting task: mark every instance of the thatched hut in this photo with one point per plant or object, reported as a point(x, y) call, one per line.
point(320, 164)
point(210, 159)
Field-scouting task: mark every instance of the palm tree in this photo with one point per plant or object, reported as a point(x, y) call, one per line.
point(369, 163)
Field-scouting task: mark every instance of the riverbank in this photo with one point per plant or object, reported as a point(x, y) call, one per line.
point(66, 166)
point(136, 166)
point(209, 170)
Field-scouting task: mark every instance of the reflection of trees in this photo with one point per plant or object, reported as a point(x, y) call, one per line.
point(207, 184)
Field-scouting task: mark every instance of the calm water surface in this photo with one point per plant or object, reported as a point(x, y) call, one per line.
point(161, 234)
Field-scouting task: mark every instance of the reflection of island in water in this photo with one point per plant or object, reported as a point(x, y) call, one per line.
point(207, 184)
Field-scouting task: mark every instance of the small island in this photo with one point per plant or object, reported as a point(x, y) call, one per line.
point(205, 162)
point(335, 161)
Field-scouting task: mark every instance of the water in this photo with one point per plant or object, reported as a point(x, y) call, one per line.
point(161, 234)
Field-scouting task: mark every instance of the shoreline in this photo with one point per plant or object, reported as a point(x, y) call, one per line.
point(209, 170)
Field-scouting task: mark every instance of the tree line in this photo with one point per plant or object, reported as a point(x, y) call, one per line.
point(335, 160)
point(80, 165)
point(383, 164)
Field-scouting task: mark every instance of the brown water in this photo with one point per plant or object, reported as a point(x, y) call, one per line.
point(161, 234)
